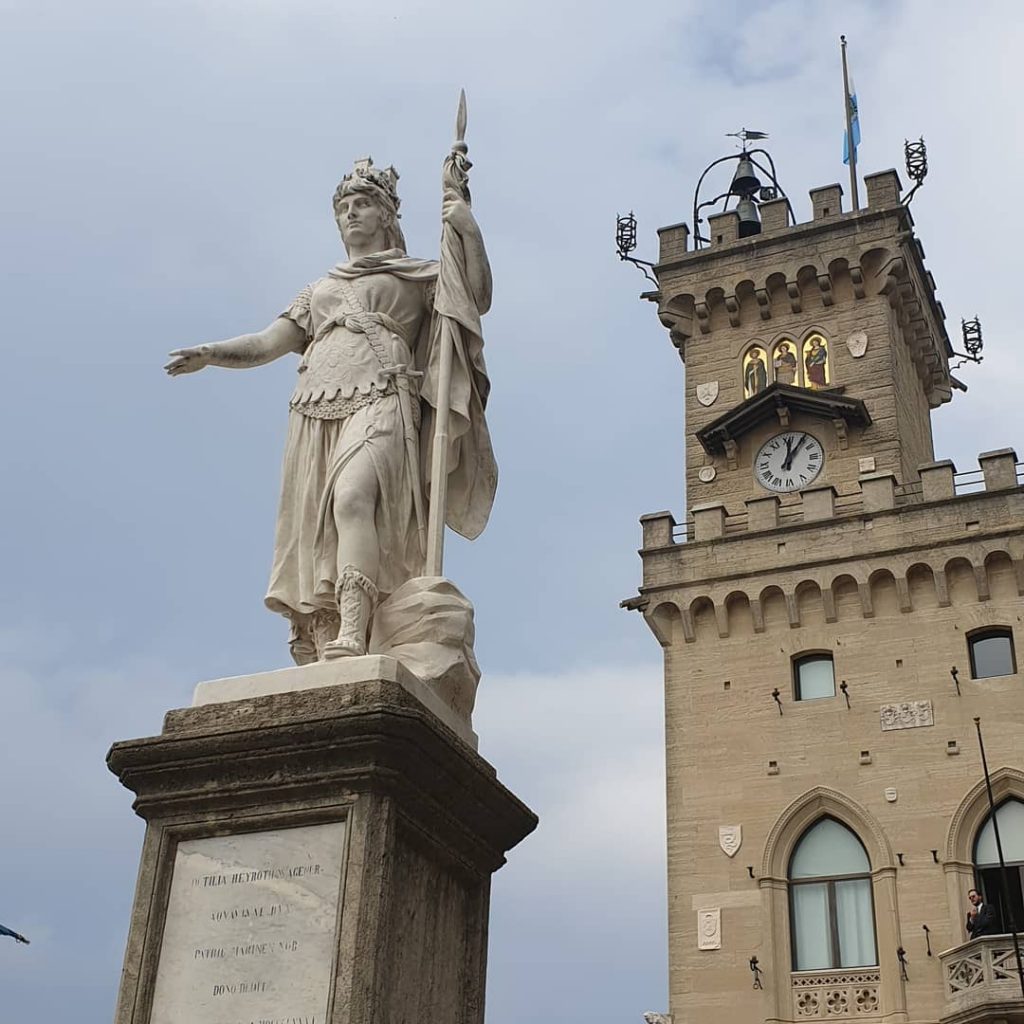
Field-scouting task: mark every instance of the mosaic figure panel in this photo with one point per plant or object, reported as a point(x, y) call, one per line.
point(755, 371)
point(784, 363)
point(816, 362)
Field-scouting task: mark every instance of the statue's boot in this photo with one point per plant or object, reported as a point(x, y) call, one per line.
point(357, 594)
point(301, 642)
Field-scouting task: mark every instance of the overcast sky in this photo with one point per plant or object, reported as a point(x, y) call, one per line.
point(166, 180)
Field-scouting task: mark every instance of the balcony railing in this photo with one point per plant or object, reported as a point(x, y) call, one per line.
point(834, 995)
point(981, 982)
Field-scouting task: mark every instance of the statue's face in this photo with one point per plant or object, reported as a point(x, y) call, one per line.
point(360, 220)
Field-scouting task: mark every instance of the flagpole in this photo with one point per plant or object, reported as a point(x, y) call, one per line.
point(999, 851)
point(455, 178)
point(850, 146)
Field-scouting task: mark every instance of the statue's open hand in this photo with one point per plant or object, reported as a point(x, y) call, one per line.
point(188, 360)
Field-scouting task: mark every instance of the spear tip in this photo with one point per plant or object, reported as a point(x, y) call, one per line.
point(460, 118)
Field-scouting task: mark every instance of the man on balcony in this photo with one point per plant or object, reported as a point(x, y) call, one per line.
point(981, 918)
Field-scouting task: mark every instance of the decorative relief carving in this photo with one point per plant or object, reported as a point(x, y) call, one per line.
point(709, 928)
point(850, 994)
point(707, 392)
point(986, 964)
point(857, 343)
point(911, 714)
point(730, 838)
point(706, 474)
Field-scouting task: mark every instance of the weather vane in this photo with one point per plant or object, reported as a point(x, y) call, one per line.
point(747, 135)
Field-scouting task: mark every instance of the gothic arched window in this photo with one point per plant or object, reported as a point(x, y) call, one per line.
point(1007, 899)
point(832, 917)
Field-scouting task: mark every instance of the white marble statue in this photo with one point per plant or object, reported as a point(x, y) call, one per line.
point(350, 558)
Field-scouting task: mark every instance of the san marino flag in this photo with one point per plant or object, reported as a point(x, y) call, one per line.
point(854, 126)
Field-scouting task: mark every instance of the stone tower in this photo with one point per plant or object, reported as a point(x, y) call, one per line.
point(835, 609)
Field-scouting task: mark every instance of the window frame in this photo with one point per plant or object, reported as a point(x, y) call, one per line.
point(991, 633)
point(806, 656)
point(833, 913)
point(988, 877)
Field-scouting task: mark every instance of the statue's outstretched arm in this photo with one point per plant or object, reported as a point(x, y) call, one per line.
point(277, 339)
point(456, 211)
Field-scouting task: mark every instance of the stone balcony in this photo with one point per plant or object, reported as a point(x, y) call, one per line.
point(837, 995)
point(981, 983)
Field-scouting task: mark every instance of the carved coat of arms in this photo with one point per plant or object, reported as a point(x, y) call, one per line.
point(857, 343)
point(729, 839)
point(709, 928)
point(708, 392)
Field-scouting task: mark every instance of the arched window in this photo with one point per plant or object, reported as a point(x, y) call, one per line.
point(1007, 899)
point(992, 653)
point(832, 917)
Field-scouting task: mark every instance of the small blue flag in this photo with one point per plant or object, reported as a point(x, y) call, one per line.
point(854, 126)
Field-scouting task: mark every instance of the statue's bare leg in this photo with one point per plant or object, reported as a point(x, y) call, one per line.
point(355, 497)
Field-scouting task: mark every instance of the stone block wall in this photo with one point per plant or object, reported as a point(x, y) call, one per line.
point(892, 595)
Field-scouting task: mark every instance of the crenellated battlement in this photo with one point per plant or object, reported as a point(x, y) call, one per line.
point(883, 545)
point(876, 492)
point(836, 259)
point(885, 539)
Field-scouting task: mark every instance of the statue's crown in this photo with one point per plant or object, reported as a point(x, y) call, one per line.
point(384, 178)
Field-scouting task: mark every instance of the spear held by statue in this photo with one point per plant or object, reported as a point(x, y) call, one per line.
point(452, 283)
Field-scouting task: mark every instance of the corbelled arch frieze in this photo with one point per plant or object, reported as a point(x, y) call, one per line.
point(794, 288)
point(799, 599)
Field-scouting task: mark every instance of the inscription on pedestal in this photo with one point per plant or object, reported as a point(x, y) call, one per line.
point(250, 930)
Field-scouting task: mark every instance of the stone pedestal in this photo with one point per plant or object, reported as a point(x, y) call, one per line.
point(317, 853)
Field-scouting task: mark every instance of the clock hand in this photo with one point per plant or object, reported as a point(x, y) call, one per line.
point(797, 448)
point(788, 460)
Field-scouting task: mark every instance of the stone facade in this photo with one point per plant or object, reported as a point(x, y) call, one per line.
point(887, 564)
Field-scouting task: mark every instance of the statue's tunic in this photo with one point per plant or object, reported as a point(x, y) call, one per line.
point(359, 322)
point(362, 318)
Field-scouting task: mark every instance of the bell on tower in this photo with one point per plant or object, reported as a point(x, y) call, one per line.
point(745, 190)
point(744, 184)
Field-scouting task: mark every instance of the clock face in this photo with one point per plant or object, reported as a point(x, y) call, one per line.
point(789, 462)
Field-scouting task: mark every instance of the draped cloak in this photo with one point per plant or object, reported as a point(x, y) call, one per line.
point(359, 410)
